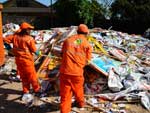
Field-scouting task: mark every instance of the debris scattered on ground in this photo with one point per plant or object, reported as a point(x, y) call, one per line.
point(118, 74)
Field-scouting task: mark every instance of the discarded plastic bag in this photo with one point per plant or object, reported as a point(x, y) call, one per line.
point(145, 100)
point(118, 53)
point(114, 82)
point(27, 98)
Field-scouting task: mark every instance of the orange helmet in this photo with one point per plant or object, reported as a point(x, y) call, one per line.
point(83, 28)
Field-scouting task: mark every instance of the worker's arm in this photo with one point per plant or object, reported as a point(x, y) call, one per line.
point(32, 47)
point(89, 53)
point(7, 40)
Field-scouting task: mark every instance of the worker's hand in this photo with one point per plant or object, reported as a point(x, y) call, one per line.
point(7, 46)
point(38, 53)
point(88, 62)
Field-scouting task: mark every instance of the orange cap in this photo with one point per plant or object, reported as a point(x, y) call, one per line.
point(25, 25)
point(83, 28)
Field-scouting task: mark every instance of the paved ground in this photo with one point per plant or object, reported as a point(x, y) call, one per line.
point(10, 101)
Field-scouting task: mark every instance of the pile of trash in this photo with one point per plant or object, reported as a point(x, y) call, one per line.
point(119, 69)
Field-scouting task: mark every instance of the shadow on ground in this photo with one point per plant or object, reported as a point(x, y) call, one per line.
point(10, 99)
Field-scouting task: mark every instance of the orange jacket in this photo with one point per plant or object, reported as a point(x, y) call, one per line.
point(22, 46)
point(2, 53)
point(76, 52)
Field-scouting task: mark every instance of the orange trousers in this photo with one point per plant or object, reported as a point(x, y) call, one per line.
point(70, 85)
point(28, 75)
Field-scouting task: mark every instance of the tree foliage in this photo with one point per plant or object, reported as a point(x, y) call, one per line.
point(84, 11)
point(98, 13)
point(131, 15)
point(73, 12)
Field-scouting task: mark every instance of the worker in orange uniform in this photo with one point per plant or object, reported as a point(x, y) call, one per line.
point(76, 52)
point(23, 49)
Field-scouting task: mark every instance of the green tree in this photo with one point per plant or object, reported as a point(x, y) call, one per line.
point(131, 16)
point(84, 10)
point(101, 14)
point(73, 12)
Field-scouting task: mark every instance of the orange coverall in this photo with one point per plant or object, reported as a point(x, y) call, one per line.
point(23, 49)
point(76, 52)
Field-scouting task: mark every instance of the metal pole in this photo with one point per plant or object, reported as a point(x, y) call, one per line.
point(2, 56)
point(51, 13)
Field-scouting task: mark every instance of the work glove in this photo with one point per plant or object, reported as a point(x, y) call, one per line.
point(9, 49)
point(88, 62)
point(7, 46)
point(38, 53)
